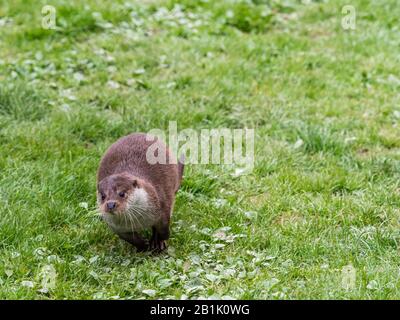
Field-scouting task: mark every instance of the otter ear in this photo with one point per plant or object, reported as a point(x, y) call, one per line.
point(134, 183)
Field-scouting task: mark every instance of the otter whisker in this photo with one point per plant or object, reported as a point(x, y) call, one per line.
point(132, 216)
point(144, 213)
point(135, 217)
point(131, 223)
point(146, 210)
point(140, 215)
point(126, 221)
point(138, 223)
point(137, 210)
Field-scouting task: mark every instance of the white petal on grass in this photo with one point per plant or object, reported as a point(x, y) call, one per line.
point(193, 288)
point(78, 259)
point(350, 139)
point(227, 298)
point(98, 295)
point(298, 144)
point(48, 275)
point(205, 231)
point(67, 93)
point(130, 82)
point(219, 235)
point(54, 258)
point(93, 259)
point(97, 15)
point(195, 259)
point(219, 245)
point(104, 24)
point(113, 84)
point(171, 251)
point(15, 254)
point(4, 21)
point(212, 277)
point(230, 14)
point(372, 285)
point(112, 69)
point(65, 107)
point(240, 172)
point(251, 215)
point(40, 252)
point(110, 58)
point(126, 263)
point(219, 203)
point(393, 79)
point(139, 71)
point(38, 55)
point(78, 76)
point(228, 272)
point(84, 205)
point(149, 292)
point(268, 284)
point(27, 284)
point(165, 283)
point(214, 297)
point(170, 85)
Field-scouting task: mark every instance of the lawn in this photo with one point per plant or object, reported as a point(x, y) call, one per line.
point(318, 216)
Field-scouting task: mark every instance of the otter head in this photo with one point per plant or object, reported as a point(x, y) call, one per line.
point(114, 193)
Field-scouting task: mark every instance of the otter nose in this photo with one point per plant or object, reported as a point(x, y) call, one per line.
point(111, 205)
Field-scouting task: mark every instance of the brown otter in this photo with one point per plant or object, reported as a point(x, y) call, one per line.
point(134, 193)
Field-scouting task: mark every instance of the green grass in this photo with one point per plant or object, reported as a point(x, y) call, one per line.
point(324, 103)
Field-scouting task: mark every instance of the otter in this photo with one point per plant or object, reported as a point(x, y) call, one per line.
point(135, 194)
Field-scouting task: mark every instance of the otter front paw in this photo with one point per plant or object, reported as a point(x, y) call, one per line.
point(158, 246)
point(136, 240)
point(157, 243)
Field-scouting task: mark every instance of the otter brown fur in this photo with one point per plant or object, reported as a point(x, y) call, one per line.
point(134, 194)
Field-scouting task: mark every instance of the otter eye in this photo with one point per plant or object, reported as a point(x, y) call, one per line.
point(103, 197)
point(121, 194)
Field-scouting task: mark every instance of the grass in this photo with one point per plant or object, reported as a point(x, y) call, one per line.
point(324, 102)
